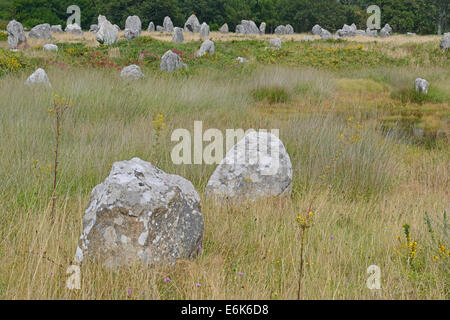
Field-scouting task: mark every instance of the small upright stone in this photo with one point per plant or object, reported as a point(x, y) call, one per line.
point(371, 33)
point(38, 77)
point(204, 31)
point(41, 31)
point(93, 28)
point(262, 28)
point(289, 29)
point(50, 47)
point(422, 85)
point(445, 42)
point(133, 27)
point(107, 33)
point(275, 43)
point(151, 27)
point(168, 25)
point(249, 27)
point(74, 29)
point(317, 30)
point(16, 34)
point(159, 29)
point(239, 29)
point(132, 72)
point(325, 34)
point(178, 35)
point(206, 47)
point(224, 29)
point(386, 31)
point(56, 28)
point(170, 62)
point(192, 24)
point(280, 30)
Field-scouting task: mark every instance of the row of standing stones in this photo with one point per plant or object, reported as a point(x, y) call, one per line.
point(142, 214)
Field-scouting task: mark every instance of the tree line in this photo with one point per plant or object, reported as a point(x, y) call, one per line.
point(420, 16)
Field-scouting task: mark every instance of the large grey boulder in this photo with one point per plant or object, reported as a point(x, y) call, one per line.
point(50, 47)
point(204, 31)
point(133, 27)
point(248, 27)
point(74, 29)
point(151, 27)
point(347, 31)
point(107, 33)
point(132, 72)
point(170, 62)
point(56, 28)
point(224, 29)
point(275, 43)
point(445, 42)
point(280, 30)
point(289, 29)
point(93, 28)
point(16, 34)
point(140, 214)
point(386, 31)
point(316, 30)
point(178, 35)
point(371, 33)
point(257, 166)
point(38, 77)
point(168, 25)
point(41, 31)
point(192, 24)
point(239, 29)
point(325, 34)
point(262, 28)
point(206, 47)
point(421, 85)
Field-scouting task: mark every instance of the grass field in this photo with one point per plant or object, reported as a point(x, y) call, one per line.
point(388, 177)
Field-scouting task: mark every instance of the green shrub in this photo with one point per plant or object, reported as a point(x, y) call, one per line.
point(11, 62)
point(3, 36)
point(408, 95)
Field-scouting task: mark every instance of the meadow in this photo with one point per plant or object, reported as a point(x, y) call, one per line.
point(382, 201)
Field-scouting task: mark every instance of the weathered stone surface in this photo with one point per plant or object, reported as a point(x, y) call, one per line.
point(224, 29)
point(257, 166)
point(242, 60)
point(107, 33)
point(170, 62)
point(239, 29)
point(386, 31)
point(347, 31)
point(178, 35)
point(280, 30)
point(360, 33)
point(204, 31)
point(317, 30)
point(289, 29)
point(445, 42)
point(50, 47)
point(159, 29)
point(421, 85)
point(140, 214)
point(38, 77)
point(275, 42)
point(74, 29)
point(16, 34)
point(133, 27)
point(371, 33)
point(167, 24)
point(117, 27)
point(131, 72)
point(207, 47)
point(192, 24)
point(262, 28)
point(41, 31)
point(151, 27)
point(325, 34)
point(93, 28)
point(248, 27)
point(56, 28)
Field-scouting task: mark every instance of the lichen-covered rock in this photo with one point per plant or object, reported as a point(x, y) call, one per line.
point(192, 24)
point(445, 42)
point(204, 31)
point(131, 72)
point(289, 29)
point(74, 29)
point(151, 27)
point(168, 25)
point(224, 29)
point(257, 166)
point(421, 85)
point(140, 214)
point(239, 29)
point(38, 77)
point(50, 47)
point(93, 28)
point(41, 31)
point(133, 27)
point(371, 33)
point(159, 29)
point(316, 30)
point(107, 33)
point(56, 28)
point(170, 62)
point(275, 42)
point(241, 60)
point(280, 30)
point(117, 27)
point(325, 34)
point(347, 31)
point(207, 47)
point(248, 27)
point(16, 34)
point(262, 28)
point(177, 35)
point(386, 31)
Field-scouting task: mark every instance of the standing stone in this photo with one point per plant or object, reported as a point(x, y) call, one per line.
point(224, 29)
point(50, 47)
point(325, 34)
point(38, 77)
point(249, 27)
point(117, 27)
point(107, 34)
point(170, 62)
point(192, 24)
point(275, 43)
point(41, 31)
point(133, 27)
point(262, 28)
point(204, 31)
point(280, 30)
point(386, 31)
point(140, 214)
point(289, 29)
point(257, 166)
point(93, 28)
point(159, 29)
point(74, 29)
point(56, 28)
point(239, 29)
point(168, 25)
point(422, 85)
point(206, 47)
point(16, 34)
point(151, 27)
point(317, 30)
point(445, 42)
point(178, 35)
point(132, 72)
point(371, 33)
